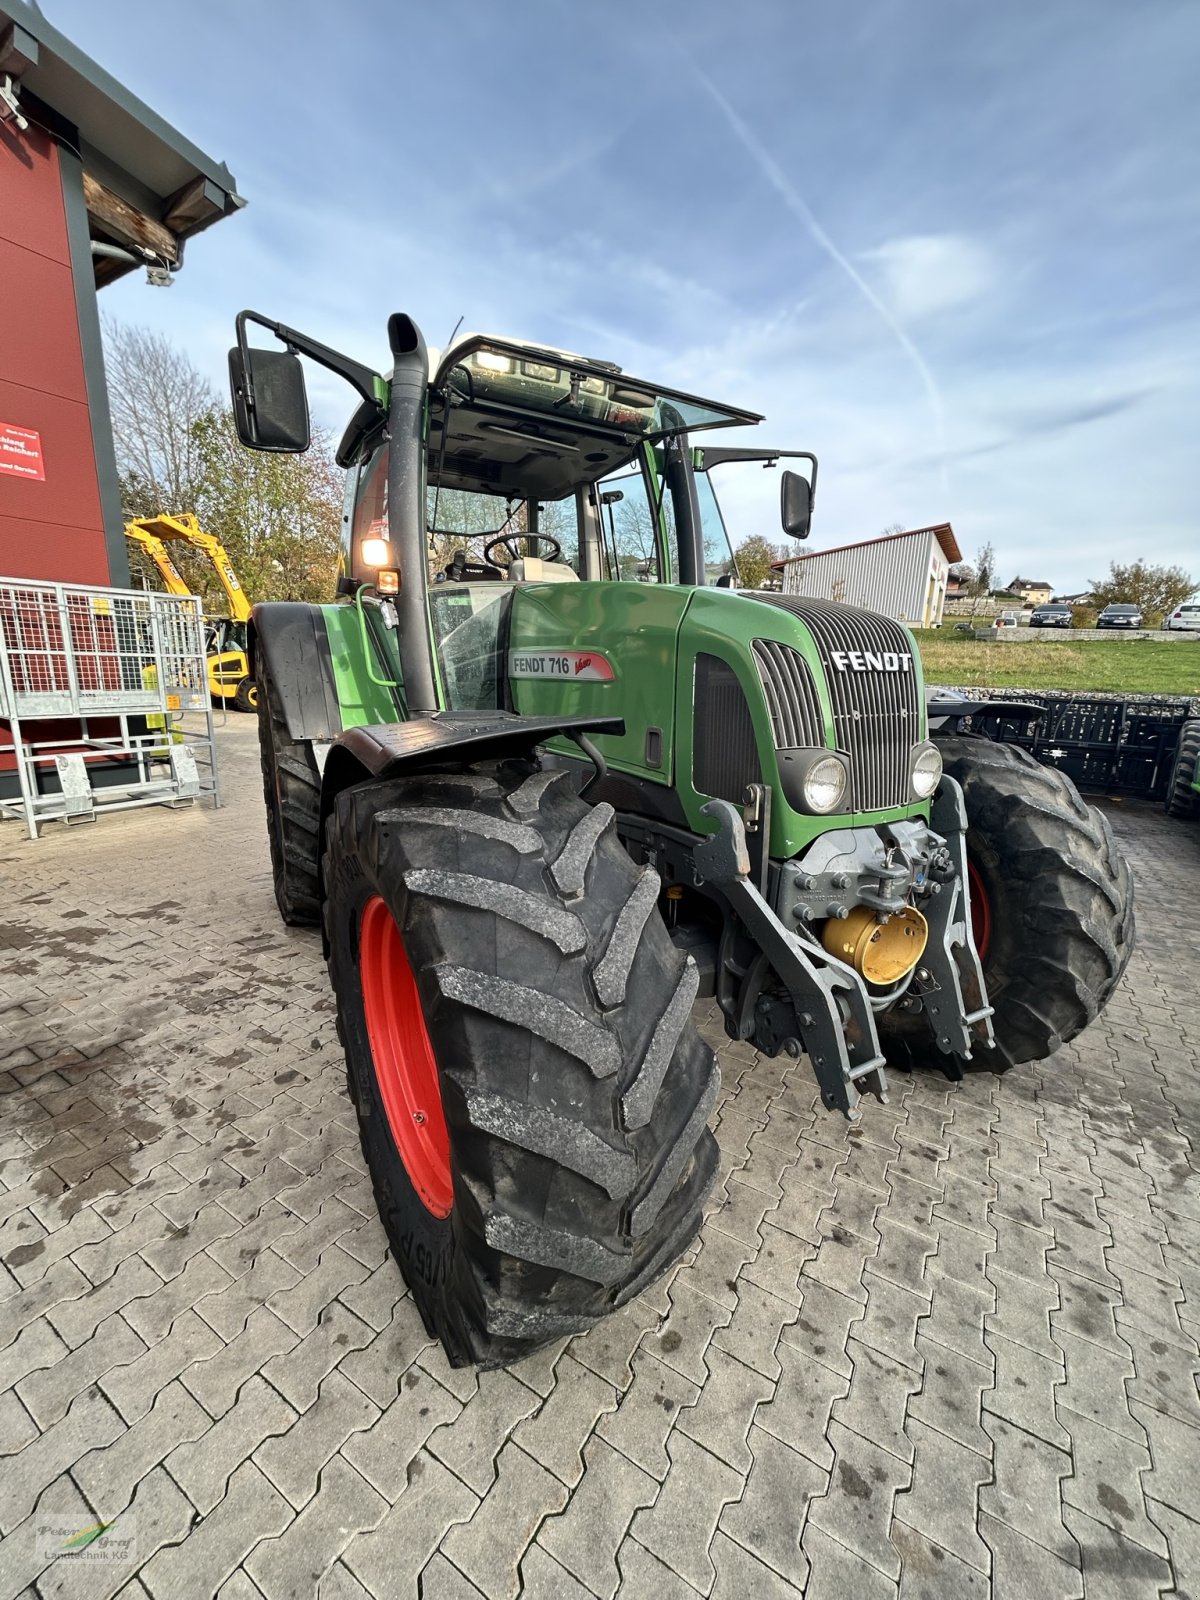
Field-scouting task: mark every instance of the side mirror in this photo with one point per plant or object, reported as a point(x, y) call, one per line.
point(270, 406)
point(795, 505)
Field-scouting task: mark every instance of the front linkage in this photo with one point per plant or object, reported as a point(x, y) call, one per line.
point(825, 1008)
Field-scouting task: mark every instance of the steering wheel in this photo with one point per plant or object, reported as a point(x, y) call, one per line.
point(508, 543)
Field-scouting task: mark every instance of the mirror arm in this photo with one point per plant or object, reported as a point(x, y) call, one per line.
point(359, 377)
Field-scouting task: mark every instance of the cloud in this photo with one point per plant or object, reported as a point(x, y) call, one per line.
point(927, 274)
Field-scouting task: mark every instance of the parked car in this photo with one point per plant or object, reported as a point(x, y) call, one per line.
point(1051, 616)
point(1120, 616)
point(1185, 618)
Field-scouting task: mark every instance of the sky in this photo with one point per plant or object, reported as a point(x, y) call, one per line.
point(950, 248)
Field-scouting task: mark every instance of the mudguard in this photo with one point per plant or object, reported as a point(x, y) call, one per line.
point(293, 642)
point(386, 750)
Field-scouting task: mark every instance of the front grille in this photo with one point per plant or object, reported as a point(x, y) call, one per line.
point(876, 714)
point(724, 750)
point(792, 697)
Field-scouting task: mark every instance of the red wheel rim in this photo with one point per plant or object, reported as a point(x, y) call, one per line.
point(405, 1068)
point(981, 910)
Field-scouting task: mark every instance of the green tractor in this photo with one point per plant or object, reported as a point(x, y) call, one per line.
point(543, 800)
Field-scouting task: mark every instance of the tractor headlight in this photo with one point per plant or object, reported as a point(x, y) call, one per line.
point(377, 553)
point(825, 785)
point(926, 772)
point(815, 781)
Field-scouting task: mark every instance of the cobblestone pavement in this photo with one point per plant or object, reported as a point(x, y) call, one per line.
point(953, 1348)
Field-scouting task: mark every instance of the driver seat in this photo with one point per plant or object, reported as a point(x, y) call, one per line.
point(532, 569)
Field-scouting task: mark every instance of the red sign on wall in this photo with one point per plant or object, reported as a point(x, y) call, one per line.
point(21, 452)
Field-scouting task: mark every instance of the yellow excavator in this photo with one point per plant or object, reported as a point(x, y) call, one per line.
point(228, 665)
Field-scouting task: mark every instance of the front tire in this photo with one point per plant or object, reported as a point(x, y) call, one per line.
point(1182, 800)
point(1052, 906)
point(567, 1161)
point(292, 794)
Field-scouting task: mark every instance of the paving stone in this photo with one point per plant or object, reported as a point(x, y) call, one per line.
point(299, 1369)
point(75, 1320)
point(957, 1313)
point(837, 1573)
point(1086, 1309)
point(742, 1213)
point(293, 1461)
point(739, 1573)
point(375, 1299)
point(132, 1388)
point(715, 1272)
point(823, 1326)
point(89, 1423)
point(680, 1525)
point(799, 1413)
point(539, 1371)
point(379, 1367)
point(1115, 1568)
point(890, 1324)
point(1084, 1250)
point(644, 1574)
point(950, 1400)
point(171, 1254)
point(878, 1400)
point(941, 1503)
point(753, 1333)
point(47, 1392)
point(584, 1538)
point(1153, 1307)
point(776, 1268)
point(202, 1469)
point(385, 1453)
point(489, 1548)
point(250, 1510)
point(1022, 1311)
point(470, 1443)
point(903, 1252)
point(22, 1554)
point(858, 1509)
point(1026, 1492)
point(1025, 1386)
point(769, 1518)
point(109, 1475)
point(1167, 1378)
point(158, 1516)
point(1175, 1453)
point(30, 1262)
point(199, 1285)
point(1021, 1566)
point(229, 1309)
point(36, 1347)
point(431, 1503)
point(285, 1568)
point(607, 1348)
point(555, 1436)
point(721, 1417)
point(1095, 1385)
point(216, 1381)
point(17, 1427)
point(928, 1572)
point(441, 1580)
point(646, 1413)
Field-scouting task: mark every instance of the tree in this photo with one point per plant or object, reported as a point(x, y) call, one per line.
point(753, 558)
point(1155, 590)
point(985, 571)
point(156, 397)
point(279, 516)
point(964, 572)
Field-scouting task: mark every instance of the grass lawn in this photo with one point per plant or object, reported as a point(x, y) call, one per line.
point(1138, 666)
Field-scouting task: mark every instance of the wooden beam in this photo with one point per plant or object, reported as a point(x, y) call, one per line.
point(197, 201)
point(125, 223)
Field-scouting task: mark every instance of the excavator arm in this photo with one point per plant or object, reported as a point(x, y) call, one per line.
point(186, 528)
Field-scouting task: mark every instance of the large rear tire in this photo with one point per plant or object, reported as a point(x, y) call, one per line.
point(292, 793)
point(1052, 906)
point(1182, 800)
point(493, 948)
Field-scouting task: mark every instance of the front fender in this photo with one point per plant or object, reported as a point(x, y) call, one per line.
point(292, 641)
